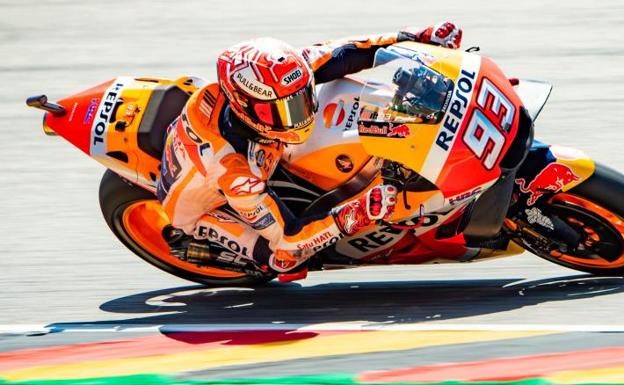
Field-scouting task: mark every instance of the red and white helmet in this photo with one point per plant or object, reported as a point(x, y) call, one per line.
point(270, 87)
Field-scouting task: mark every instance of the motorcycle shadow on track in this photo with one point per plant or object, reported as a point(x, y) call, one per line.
point(393, 302)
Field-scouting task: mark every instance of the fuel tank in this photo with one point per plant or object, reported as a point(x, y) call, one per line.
point(333, 154)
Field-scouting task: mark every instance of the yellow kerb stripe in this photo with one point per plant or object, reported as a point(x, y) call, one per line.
point(342, 344)
point(597, 376)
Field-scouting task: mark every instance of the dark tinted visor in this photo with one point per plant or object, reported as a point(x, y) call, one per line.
point(294, 111)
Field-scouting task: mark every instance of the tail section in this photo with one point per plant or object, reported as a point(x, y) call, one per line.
point(107, 123)
point(80, 110)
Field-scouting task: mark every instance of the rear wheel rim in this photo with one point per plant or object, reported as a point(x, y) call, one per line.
point(609, 230)
point(143, 222)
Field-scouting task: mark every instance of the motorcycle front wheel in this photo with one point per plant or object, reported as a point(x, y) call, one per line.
point(136, 218)
point(595, 210)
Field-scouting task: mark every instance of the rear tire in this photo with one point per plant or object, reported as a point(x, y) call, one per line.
point(596, 209)
point(118, 197)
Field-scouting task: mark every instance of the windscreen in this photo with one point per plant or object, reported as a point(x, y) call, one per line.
point(419, 93)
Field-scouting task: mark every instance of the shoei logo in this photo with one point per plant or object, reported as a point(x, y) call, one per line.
point(292, 76)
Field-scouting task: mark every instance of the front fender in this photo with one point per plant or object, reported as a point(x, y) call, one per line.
point(550, 169)
point(580, 163)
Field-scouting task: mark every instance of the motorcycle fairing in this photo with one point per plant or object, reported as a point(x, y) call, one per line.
point(551, 169)
point(333, 153)
point(534, 94)
point(464, 148)
point(105, 122)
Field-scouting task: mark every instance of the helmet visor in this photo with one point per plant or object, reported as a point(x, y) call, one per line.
point(294, 111)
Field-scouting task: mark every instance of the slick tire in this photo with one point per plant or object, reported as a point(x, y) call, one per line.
point(596, 208)
point(117, 197)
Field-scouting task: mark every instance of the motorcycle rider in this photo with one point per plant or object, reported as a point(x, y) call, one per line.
point(229, 138)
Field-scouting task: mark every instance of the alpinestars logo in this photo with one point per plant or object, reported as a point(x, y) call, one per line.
point(349, 222)
point(246, 185)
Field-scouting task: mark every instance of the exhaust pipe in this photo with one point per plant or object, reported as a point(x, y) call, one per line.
point(41, 102)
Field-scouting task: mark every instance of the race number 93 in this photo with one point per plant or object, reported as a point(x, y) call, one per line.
point(484, 132)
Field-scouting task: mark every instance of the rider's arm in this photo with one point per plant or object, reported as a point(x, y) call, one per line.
point(335, 59)
point(264, 211)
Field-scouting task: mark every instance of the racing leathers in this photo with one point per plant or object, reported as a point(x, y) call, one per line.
point(212, 160)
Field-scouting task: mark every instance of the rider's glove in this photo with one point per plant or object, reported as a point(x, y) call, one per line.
point(378, 203)
point(444, 34)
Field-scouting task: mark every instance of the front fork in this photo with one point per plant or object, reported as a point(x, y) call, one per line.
point(546, 171)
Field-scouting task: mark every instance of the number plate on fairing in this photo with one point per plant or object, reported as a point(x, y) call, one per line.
point(457, 147)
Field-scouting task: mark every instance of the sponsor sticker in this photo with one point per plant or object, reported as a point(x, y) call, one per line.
point(264, 222)
point(550, 180)
point(384, 129)
point(464, 196)
point(534, 215)
point(462, 95)
point(90, 110)
point(321, 239)
point(103, 116)
point(246, 80)
point(260, 158)
point(334, 114)
point(250, 215)
point(354, 113)
point(213, 235)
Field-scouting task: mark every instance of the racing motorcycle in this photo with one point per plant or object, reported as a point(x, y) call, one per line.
point(446, 127)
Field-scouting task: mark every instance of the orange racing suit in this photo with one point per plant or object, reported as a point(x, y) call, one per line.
point(210, 161)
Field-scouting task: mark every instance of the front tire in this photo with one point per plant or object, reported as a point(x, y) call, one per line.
point(136, 218)
point(595, 209)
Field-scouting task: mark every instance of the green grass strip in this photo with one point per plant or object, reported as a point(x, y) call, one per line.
point(325, 379)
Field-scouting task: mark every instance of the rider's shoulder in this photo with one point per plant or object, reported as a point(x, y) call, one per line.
point(204, 101)
point(202, 111)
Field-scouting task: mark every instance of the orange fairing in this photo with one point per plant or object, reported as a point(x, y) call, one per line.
point(459, 146)
point(607, 215)
point(144, 221)
point(330, 166)
point(103, 122)
point(75, 125)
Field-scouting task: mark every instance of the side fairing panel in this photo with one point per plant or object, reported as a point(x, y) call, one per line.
point(333, 153)
point(462, 148)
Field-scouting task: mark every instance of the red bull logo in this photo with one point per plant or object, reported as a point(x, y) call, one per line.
point(550, 180)
point(401, 131)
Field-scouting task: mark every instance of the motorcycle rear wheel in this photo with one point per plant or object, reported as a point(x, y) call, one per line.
point(136, 218)
point(595, 209)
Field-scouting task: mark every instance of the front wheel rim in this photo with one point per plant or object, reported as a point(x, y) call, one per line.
point(615, 226)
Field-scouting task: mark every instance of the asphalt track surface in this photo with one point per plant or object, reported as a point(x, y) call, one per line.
point(62, 268)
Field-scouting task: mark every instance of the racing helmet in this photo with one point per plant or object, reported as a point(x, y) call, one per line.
point(270, 88)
